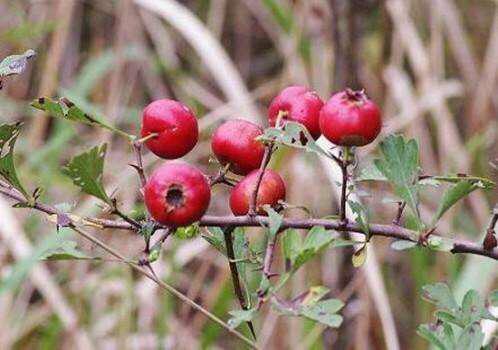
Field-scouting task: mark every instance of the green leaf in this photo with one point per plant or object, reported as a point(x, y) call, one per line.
point(440, 335)
point(65, 250)
point(370, 173)
point(188, 232)
point(67, 110)
point(15, 64)
point(313, 295)
point(86, 171)
point(216, 239)
point(439, 243)
point(403, 245)
point(291, 245)
point(471, 338)
point(274, 220)
point(324, 312)
point(453, 194)
point(8, 137)
point(484, 183)
point(440, 295)
point(474, 308)
point(316, 240)
point(450, 317)
point(241, 252)
point(292, 135)
point(361, 217)
point(240, 316)
point(400, 165)
point(359, 257)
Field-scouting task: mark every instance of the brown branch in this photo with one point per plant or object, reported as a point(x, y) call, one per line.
point(390, 231)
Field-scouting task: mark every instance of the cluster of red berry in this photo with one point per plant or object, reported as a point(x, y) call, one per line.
point(178, 194)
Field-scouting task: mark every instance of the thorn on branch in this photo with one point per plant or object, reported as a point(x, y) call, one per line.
point(399, 214)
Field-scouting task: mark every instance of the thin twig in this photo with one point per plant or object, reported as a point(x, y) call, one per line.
point(162, 284)
point(264, 164)
point(137, 148)
point(399, 213)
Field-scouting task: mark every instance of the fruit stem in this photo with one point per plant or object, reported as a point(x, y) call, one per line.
point(137, 147)
point(269, 149)
point(343, 163)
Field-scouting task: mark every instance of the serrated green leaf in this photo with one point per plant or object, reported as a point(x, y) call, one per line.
point(440, 336)
point(239, 316)
point(361, 217)
point(324, 312)
point(241, 252)
point(450, 317)
point(65, 250)
point(403, 245)
point(216, 239)
point(440, 295)
point(15, 64)
point(452, 195)
point(474, 308)
point(292, 135)
point(313, 295)
point(86, 171)
point(471, 338)
point(484, 183)
point(147, 230)
point(359, 257)
point(370, 173)
point(291, 245)
point(188, 232)
point(316, 240)
point(67, 110)
point(8, 137)
point(400, 165)
point(274, 220)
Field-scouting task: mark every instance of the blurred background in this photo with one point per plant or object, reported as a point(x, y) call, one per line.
point(431, 64)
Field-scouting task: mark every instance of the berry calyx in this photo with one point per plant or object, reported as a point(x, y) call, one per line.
point(271, 190)
point(175, 126)
point(350, 118)
point(234, 143)
point(298, 104)
point(177, 194)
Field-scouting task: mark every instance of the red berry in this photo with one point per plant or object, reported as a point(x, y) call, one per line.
point(350, 118)
point(234, 143)
point(301, 106)
point(271, 190)
point(175, 125)
point(177, 194)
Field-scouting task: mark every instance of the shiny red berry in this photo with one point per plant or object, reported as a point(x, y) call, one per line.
point(300, 105)
point(271, 190)
point(177, 194)
point(350, 118)
point(234, 143)
point(175, 125)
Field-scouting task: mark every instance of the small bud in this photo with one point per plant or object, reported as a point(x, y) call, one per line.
point(490, 241)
